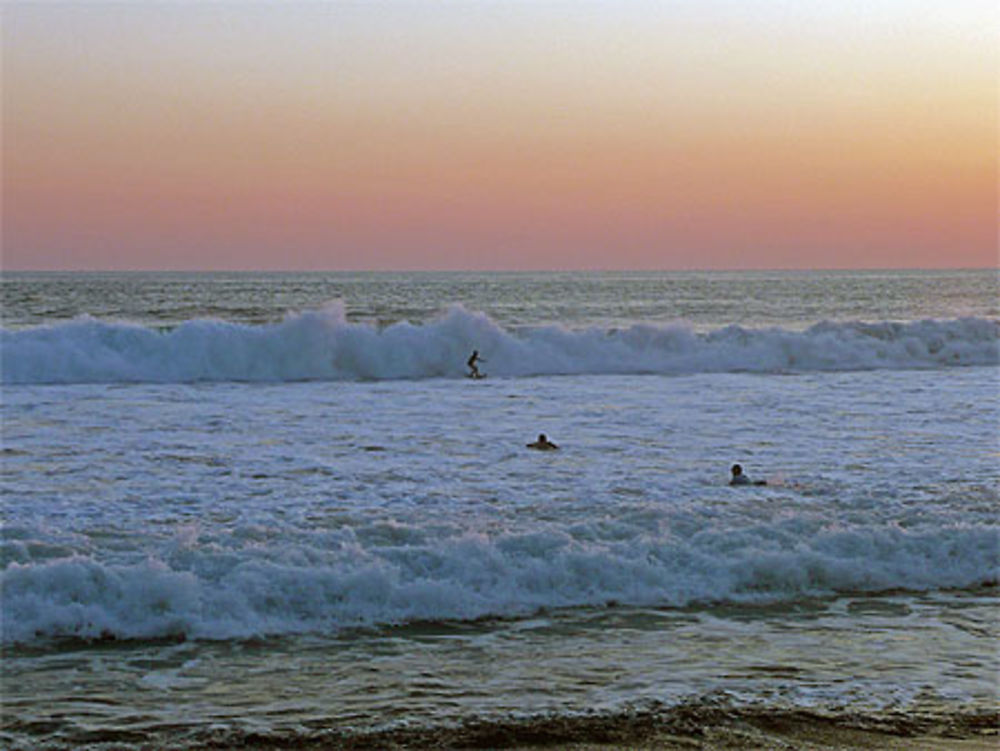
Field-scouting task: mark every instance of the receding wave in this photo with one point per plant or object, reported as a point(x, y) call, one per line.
point(393, 574)
point(323, 345)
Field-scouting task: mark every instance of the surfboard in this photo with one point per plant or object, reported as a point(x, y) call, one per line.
point(475, 377)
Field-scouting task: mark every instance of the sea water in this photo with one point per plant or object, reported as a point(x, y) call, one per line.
point(273, 504)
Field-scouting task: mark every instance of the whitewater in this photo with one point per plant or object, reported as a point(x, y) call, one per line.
point(231, 505)
point(323, 345)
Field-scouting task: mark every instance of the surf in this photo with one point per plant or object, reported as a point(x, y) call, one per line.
point(323, 345)
point(338, 581)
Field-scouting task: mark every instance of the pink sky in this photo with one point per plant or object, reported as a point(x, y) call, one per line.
point(479, 135)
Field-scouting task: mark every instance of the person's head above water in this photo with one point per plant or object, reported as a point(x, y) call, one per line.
point(739, 478)
point(542, 443)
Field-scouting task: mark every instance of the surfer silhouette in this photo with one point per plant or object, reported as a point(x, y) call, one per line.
point(739, 478)
point(471, 362)
point(542, 444)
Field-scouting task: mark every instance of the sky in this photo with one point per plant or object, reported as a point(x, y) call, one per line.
point(679, 134)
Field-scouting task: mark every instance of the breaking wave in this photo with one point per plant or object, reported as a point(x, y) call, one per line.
point(392, 574)
point(323, 345)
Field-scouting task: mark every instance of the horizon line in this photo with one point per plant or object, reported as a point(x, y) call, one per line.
point(403, 270)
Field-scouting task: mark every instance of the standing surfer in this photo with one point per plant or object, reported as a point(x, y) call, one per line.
point(471, 362)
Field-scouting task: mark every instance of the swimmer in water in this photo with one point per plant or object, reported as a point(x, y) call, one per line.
point(471, 362)
point(739, 478)
point(542, 444)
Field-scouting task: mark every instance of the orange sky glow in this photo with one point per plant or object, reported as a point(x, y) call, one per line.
point(486, 135)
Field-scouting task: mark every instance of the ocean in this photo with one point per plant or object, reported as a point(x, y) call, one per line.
point(271, 508)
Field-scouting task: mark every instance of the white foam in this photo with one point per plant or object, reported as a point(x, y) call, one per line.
point(334, 583)
point(323, 345)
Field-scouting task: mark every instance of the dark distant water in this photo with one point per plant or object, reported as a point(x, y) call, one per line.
point(702, 299)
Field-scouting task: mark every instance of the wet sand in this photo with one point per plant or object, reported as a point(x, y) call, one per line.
point(676, 728)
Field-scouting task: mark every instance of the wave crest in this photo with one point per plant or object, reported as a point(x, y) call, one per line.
point(323, 345)
point(205, 592)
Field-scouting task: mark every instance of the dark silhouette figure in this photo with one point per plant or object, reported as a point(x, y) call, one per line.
point(471, 362)
point(739, 478)
point(542, 444)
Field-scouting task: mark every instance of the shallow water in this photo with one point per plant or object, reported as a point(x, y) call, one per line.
point(864, 653)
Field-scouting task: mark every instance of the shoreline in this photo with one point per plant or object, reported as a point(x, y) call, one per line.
point(686, 726)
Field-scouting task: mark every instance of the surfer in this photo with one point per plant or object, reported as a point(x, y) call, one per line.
point(739, 478)
point(471, 362)
point(542, 444)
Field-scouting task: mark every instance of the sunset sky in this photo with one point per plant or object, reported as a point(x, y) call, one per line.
point(682, 134)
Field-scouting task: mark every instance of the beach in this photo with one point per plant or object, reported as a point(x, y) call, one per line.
point(676, 729)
